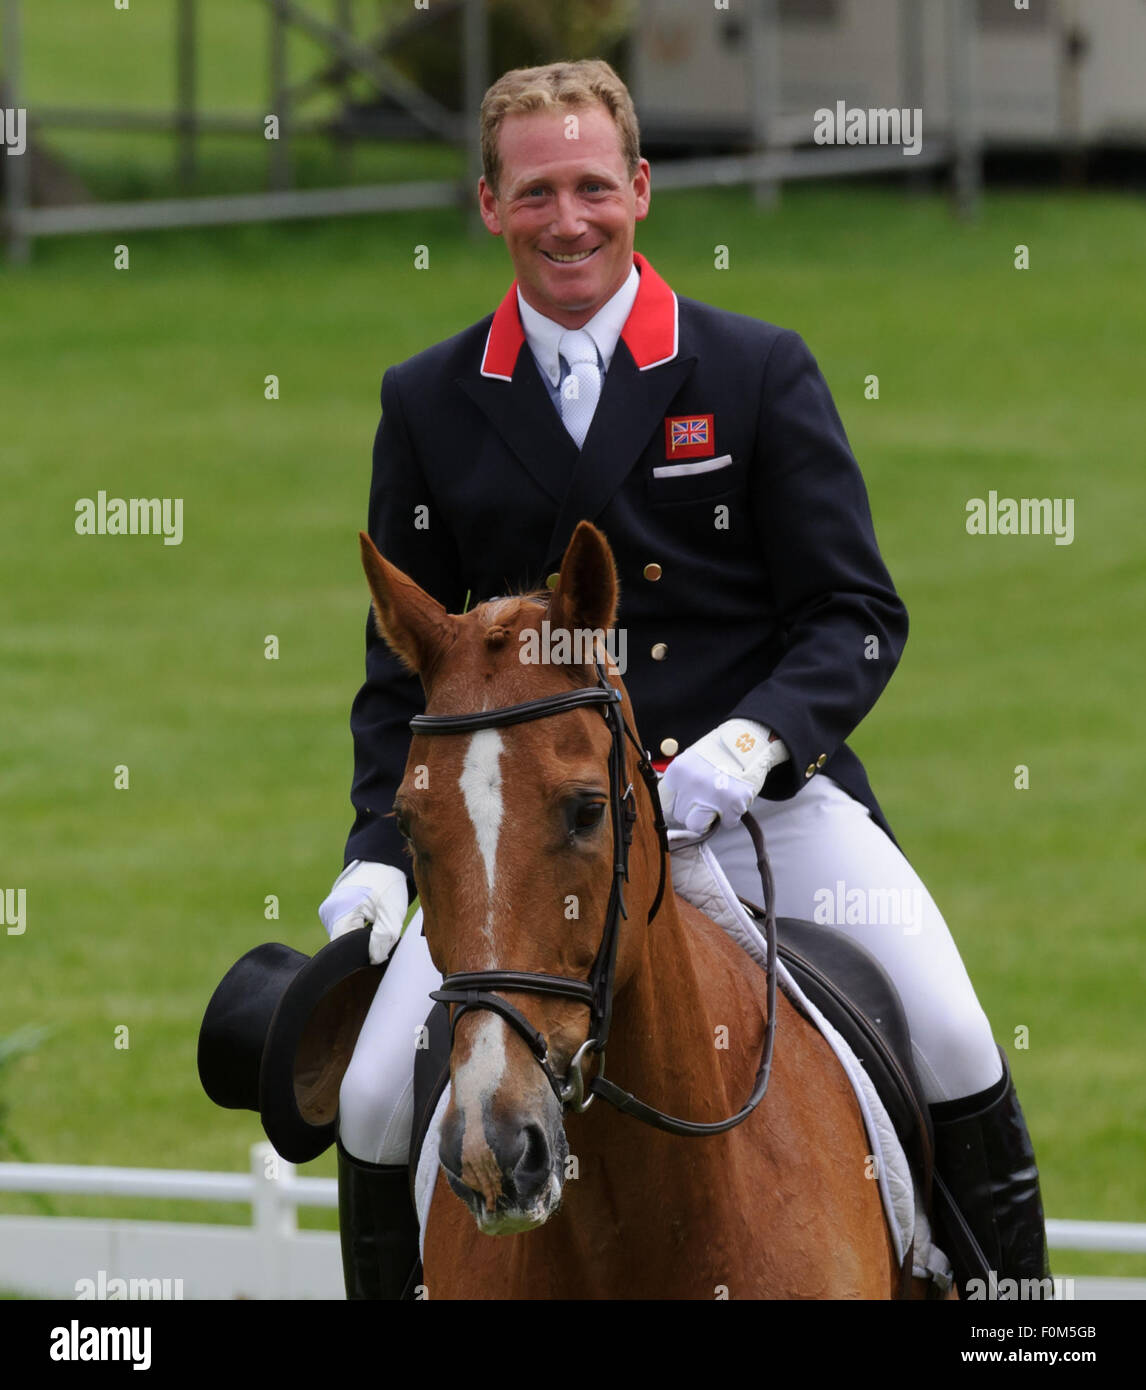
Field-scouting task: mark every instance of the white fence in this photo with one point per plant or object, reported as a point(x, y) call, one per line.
point(48, 1256)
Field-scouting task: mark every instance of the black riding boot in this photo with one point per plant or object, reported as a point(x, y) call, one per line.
point(985, 1161)
point(379, 1228)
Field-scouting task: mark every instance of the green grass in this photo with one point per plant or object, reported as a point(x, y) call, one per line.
point(150, 382)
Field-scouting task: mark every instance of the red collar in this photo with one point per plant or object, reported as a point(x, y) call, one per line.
point(650, 331)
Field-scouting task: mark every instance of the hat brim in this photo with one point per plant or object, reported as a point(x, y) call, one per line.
point(309, 1044)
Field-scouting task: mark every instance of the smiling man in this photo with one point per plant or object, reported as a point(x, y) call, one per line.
point(762, 624)
point(566, 195)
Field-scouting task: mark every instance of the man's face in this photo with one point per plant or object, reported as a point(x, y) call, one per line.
point(567, 209)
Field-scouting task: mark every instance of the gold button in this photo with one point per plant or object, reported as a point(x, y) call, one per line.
point(669, 747)
point(653, 571)
point(809, 770)
point(821, 760)
point(551, 582)
point(660, 651)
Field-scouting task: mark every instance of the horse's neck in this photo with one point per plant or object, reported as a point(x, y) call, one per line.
point(689, 982)
point(687, 1006)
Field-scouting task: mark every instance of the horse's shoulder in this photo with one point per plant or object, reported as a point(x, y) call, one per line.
point(708, 940)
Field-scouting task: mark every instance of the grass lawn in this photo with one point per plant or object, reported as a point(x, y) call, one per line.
point(149, 382)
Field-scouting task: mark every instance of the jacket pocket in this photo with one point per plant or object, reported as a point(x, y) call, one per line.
point(694, 480)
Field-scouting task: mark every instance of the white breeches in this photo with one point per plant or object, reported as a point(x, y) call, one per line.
point(831, 864)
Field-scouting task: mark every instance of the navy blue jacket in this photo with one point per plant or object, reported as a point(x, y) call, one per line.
point(772, 601)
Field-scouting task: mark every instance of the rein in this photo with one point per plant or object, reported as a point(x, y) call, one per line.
point(476, 989)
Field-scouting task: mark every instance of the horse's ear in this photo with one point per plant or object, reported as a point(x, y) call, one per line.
point(415, 627)
point(587, 590)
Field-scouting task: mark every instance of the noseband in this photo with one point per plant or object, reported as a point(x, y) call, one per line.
point(474, 989)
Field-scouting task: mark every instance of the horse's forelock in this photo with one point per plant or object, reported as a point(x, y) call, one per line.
point(498, 616)
point(497, 620)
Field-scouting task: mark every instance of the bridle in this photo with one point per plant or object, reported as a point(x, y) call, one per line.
point(474, 989)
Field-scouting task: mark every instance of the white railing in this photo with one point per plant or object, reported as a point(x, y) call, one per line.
point(272, 1258)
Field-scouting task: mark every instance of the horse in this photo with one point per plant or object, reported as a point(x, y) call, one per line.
point(518, 822)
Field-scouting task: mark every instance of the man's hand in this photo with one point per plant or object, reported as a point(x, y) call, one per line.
point(719, 776)
point(365, 893)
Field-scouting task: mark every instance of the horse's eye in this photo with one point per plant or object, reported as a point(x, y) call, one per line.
point(587, 815)
point(403, 824)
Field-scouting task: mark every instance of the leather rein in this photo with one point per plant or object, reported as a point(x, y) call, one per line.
point(476, 989)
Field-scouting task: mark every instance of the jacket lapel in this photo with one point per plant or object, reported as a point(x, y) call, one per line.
point(646, 372)
point(632, 406)
point(523, 415)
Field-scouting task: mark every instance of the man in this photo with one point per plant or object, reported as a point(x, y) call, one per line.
point(761, 623)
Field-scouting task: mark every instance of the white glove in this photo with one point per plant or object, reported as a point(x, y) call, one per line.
point(719, 776)
point(366, 893)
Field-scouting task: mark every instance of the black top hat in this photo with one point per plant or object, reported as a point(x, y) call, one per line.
point(278, 1035)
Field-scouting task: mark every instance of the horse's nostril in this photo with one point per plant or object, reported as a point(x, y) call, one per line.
point(531, 1172)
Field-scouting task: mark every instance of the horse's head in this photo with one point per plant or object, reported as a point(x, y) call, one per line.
point(512, 839)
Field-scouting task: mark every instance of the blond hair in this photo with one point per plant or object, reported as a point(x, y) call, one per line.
point(557, 87)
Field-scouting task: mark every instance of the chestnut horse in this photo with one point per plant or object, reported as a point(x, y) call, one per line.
point(512, 833)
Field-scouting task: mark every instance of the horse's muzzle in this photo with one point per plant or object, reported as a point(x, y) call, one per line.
point(512, 1175)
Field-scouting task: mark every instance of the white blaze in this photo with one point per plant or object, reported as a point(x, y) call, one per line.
point(479, 1076)
point(481, 787)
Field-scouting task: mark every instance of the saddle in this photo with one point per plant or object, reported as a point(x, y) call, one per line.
point(855, 993)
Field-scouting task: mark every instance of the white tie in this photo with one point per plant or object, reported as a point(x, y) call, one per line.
point(581, 389)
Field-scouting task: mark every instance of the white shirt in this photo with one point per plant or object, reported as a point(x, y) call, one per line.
point(543, 335)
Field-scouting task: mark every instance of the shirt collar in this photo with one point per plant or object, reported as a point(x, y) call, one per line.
point(543, 335)
point(651, 332)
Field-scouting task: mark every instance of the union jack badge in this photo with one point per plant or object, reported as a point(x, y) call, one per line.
point(688, 436)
